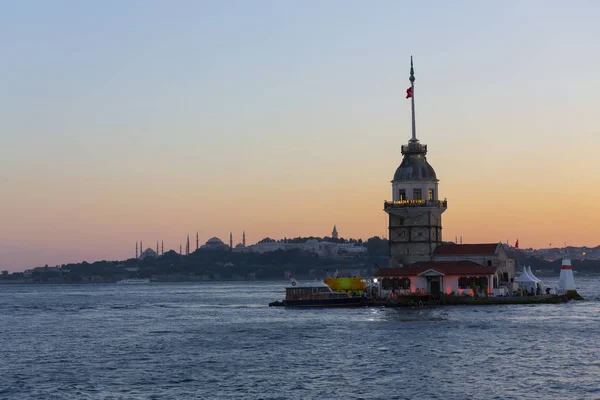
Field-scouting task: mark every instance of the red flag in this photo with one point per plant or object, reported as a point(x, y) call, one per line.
point(409, 92)
point(517, 244)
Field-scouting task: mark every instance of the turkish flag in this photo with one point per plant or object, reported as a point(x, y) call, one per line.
point(517, 244)
point(409, 92)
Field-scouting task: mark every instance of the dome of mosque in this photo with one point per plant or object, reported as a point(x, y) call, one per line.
point(148, 253)
point(214, 241)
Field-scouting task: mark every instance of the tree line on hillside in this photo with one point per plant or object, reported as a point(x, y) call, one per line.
point(582, 266)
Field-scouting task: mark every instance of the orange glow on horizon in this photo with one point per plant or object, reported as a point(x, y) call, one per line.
point(288, 141)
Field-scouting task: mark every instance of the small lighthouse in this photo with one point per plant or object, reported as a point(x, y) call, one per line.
point(566, 281)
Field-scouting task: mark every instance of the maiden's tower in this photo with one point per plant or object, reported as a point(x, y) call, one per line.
point(415, 212)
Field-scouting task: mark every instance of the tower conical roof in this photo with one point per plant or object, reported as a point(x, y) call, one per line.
point(414, 167)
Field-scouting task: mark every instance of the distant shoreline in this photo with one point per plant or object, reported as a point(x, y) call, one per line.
point(28, 282)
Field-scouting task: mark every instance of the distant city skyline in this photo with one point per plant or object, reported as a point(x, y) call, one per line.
point(122, 123)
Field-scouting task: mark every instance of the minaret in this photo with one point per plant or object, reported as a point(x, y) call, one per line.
point(136, 250)
point(197, 242)
point(334, 233)
point(244, 238)
point(157, 248)
point(187, 246)
point(415, 213)
point(162, 247)
point(141, 248)
point(180, 253)
point(230, 240)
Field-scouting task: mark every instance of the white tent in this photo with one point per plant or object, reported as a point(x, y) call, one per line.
point(525, 281)
point(532, 275)
point(526, 272)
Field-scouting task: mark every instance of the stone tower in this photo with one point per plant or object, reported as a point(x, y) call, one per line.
point(334, 233)
point(415, 212)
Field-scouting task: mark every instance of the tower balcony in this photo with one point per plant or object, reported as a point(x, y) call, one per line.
point(414, 148)
point(391, 205)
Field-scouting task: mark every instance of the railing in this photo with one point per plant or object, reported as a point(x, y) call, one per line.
point(415, 203)
point(414, 148)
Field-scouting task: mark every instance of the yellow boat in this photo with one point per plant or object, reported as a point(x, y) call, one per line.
point(346, 284)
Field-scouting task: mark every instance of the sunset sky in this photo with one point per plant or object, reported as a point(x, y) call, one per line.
point(147, 120)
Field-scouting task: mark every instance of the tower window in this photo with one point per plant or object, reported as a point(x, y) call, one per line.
point(417, 194)
point(430, 195)
point(401, 194)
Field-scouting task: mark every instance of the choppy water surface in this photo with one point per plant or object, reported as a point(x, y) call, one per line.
point(222, 341)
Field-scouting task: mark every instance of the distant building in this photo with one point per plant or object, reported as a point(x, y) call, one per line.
point(148, 253)
point(215, 243)
point(334, 233)
point(322, 249)
point(268, 246)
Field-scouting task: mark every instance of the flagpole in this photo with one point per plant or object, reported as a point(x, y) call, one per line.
point(412, 86)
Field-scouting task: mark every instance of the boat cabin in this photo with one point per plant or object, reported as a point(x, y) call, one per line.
point(311, 291)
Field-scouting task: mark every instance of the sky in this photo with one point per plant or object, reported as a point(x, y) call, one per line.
point(148, 120)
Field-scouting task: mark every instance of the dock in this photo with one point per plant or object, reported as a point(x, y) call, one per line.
point(445, 300)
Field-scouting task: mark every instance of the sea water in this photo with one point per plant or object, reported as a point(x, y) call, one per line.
point(221, 341)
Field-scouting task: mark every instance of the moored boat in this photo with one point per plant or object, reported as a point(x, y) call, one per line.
point(317, 294)
point(133, 281)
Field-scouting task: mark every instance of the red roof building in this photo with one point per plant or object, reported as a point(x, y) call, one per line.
point(441, 267)
point(486, 254)
point(451, 249)
point(435, 277)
